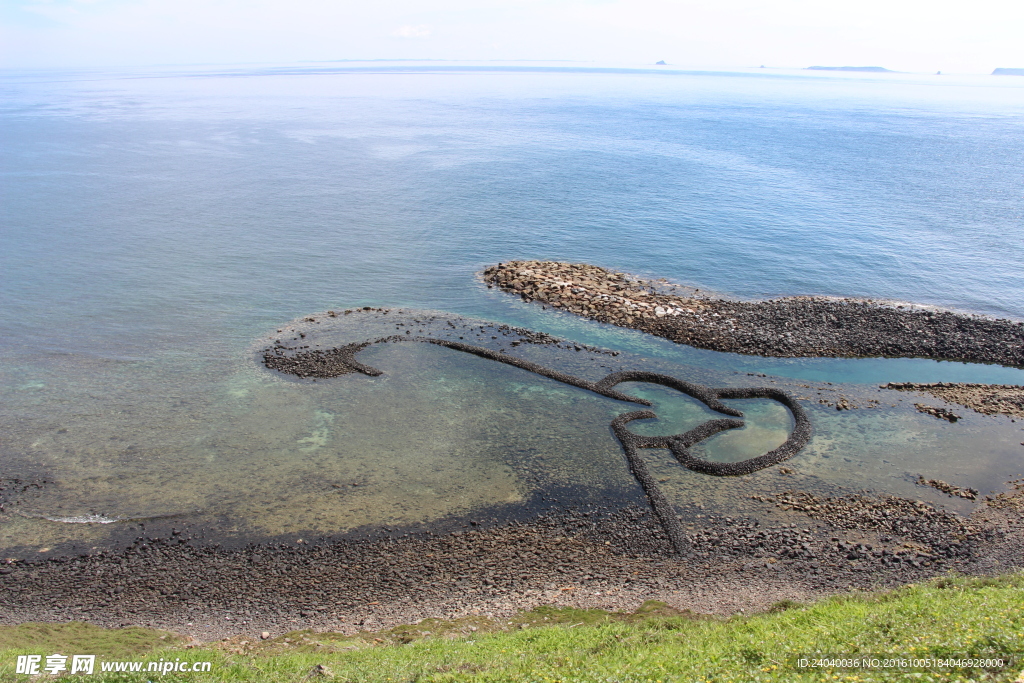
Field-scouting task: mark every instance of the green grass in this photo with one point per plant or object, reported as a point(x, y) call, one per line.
point(84, 638)
point(950, 617)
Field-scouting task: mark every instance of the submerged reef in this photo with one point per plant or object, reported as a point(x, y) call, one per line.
point(787, 327)
point(987, 399)
point(341, 360)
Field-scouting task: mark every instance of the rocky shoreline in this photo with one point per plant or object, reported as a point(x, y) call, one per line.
point(612, 558)
point(788, 327)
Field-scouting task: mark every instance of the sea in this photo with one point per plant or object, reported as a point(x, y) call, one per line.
point(159, 226)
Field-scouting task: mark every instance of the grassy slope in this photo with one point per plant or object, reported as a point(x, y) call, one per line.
point(945, 618)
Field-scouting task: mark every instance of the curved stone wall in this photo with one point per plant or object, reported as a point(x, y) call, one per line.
point(338, 361)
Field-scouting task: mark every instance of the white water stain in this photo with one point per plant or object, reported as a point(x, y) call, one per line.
point(83, 519)
point(321, 435)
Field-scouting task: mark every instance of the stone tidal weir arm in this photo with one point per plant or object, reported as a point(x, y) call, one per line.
point(341, 360)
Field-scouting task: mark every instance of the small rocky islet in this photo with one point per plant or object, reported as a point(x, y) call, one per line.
point(791, 327)
point(788, 327)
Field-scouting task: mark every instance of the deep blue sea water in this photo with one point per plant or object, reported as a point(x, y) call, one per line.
point(154, 223)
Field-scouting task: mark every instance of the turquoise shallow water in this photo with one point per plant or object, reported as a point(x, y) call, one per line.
point(156, 223)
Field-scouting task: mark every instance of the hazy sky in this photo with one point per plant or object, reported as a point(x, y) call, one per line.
point(911, 35)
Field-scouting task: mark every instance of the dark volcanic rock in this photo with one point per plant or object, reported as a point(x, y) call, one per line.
point(941, 413)
point(987, 399)
point(316, 363)
point(790, 327)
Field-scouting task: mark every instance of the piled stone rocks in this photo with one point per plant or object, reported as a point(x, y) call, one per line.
point(790, 327)
point(316, 362)
point(943, 534)
point(587, 290)
point(987, 399)
point(949, 489)
point(1009, 500)
point(940, 413)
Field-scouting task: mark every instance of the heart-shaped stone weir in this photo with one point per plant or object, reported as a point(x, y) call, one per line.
point(341, 360)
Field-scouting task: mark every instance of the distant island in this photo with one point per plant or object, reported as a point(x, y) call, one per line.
point(1008, 72)
point(873, 69)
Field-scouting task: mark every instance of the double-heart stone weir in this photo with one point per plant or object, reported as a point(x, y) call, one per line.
point(341, 360)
